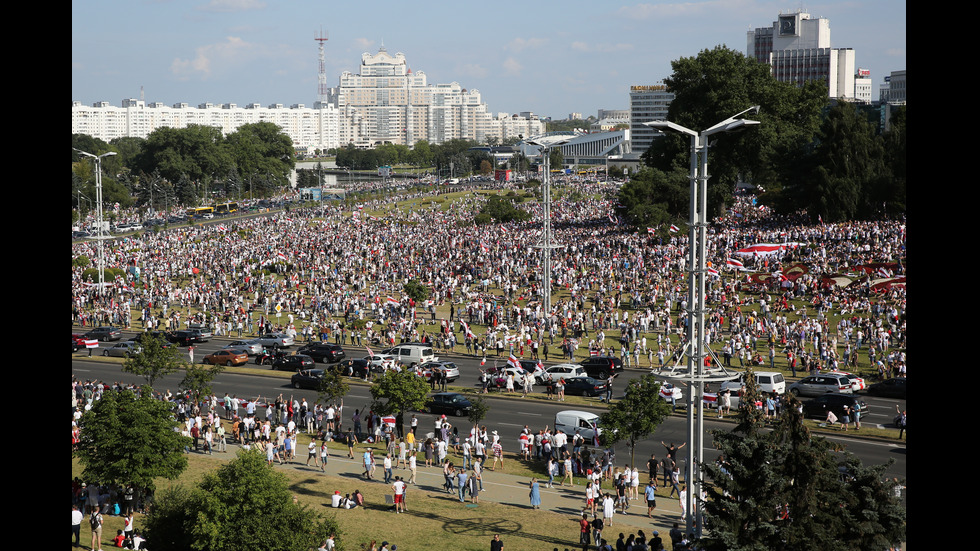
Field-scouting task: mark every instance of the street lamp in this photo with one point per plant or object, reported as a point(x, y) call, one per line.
point(696, 373)
point(100, 235)
point(546, 245)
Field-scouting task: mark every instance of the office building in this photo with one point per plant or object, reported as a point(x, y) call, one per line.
point(647, 103)
point(798, 49)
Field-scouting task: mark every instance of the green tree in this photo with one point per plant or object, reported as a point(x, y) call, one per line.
point(636, 415)
point(478, 411)
point(198, 378)
point(245, 504)
point(847, 164)
point(156, 359)
point(415, 290)
point(200, 152)
point(127, 438)
point(501, 209)
point(834, 502)
point(396, 392)
point(333, 386)
point(653, 197)
point(718, 83)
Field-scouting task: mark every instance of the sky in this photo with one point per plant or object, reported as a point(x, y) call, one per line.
point(550, 58)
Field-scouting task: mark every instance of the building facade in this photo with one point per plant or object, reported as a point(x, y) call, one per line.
point(647, 103)
point(797, 47)
point(386, 102)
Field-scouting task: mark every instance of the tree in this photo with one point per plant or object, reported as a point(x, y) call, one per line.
point(198, 378)
point(127, 438)
point(653, 197)
point(478, 410)
point(415, 290)
point(198, 151)
point(396, 392)
point(245, 504)
point(831, 500)
point(156, 359)
point(635, 416)
point(333, 385)
point(718, 83)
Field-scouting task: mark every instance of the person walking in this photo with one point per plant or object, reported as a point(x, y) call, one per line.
point(650, 493)
point(535, 494)
point(95, 521)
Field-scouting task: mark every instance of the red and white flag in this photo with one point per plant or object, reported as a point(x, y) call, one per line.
point(369, 352)
point(650, 231)
point(731, 262)
point(392, 302)
point(513, 361)
point(712, 271)
point(674, 229)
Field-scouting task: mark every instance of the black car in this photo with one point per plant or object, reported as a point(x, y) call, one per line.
point(308, 378)
point(104, 334)
point(355, 367)
point(889, 388)
point(449, 403)
point(186, 337)
point(582, 386)
point(819, 406)
point(323, 352)
point(293, 363)
point(600, 367)
point(141, 337)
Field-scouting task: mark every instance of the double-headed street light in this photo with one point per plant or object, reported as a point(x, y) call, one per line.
point(100, 235)
point(696, 373)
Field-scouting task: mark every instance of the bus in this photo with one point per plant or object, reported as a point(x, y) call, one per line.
point(200, 212)
point(226, 208)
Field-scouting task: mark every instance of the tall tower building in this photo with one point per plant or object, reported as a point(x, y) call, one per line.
point(797, 48)
point(647, 103)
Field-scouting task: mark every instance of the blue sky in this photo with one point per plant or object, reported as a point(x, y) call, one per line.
point(552, 58)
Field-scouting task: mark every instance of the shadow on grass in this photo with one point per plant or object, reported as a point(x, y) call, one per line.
point(481, 526)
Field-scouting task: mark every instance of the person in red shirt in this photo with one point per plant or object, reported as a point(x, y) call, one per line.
point(584, 531)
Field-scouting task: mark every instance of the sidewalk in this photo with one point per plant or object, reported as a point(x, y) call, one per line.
point(505, 489)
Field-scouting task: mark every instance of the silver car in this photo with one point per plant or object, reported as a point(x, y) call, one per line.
point(817, 385)
point(251, 347)
point(123, 349)
point(281, 340)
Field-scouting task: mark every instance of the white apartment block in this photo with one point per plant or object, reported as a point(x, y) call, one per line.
point(385, 103)
point(310, 128)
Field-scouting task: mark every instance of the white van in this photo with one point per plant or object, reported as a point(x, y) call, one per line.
point(768, 382)
point(412, 354)
point(583, 421)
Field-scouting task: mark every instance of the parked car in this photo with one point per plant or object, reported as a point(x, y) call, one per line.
point(323, 352)
point(227, 357)
point(293, 363)
point(815, 385)
point(857, 383)
point(819, 406)
point(600, 367)
point(123, 349)
point(104, 334)
point(381, 362)
point(411, 354)
point(767, 381)
point(889, 388)
point(140, 337)
point(307, 378)
point(582, 386)
point(448, 403)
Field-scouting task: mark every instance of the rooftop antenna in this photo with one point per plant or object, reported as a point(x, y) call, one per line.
point(321, 91)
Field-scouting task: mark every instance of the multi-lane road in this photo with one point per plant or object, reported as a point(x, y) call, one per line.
point(507, 416)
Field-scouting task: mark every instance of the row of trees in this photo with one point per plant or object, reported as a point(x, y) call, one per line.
point(185, 166)
point(452, 156)
point(805, 153)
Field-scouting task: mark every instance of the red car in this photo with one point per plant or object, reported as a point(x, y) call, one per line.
point(227, 357)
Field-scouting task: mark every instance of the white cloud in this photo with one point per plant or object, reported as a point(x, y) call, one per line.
point(519, 44)
point(226, 6)
point(472, 70)
point(231, 52)
point(363, 43)
point(512, 67)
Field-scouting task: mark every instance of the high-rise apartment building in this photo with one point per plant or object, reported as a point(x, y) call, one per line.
point(386, 102)
point(797, 47)
point(647, 103)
